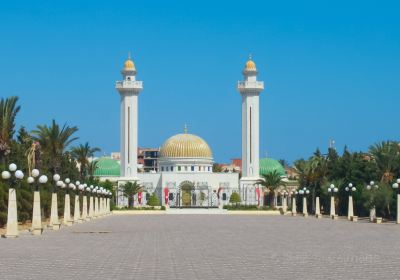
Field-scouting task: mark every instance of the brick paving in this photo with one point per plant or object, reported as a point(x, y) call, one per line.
point(206, 247)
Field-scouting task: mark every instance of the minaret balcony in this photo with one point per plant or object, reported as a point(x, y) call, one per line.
point(129, 85)
point(256, 85)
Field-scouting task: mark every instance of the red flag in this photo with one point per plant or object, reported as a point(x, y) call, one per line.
point(258, 195)
point(166, 192)
point(219, 190)
point(140, 198)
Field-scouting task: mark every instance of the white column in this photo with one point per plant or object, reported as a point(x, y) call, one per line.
point(36, 216)
point(332, 212)
point(284, 206)
point(95, 209)
point(12, 218)
point(98, 206)
point(77, 214)
point(372, 214)
point(305, 213)
point(250, 90)
point(84, 208)
point(317, 207)
point(67, 211)
point(54, 221)
point(350, 212)
point(91, 207)
point(294, 206)
point(398, 209)
point(129, 90)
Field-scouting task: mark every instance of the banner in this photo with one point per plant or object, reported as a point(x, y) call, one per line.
point(140, 198)
point(258, 195)
point(166, 192)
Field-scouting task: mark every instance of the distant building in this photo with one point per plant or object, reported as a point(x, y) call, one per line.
point(148, 158)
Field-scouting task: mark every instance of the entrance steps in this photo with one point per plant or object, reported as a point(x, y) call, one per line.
point(197, 211)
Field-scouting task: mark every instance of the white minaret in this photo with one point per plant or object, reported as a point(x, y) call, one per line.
point(129, 90)
point(250, 90)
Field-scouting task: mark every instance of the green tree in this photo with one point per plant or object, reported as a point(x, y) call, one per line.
point(54, 140)
point(153, 200)
point(216, 168)
point(386, 157)
point(81, 154)
point(235, 198)
point(130, 189)
point(8, 112)
point(271, 181)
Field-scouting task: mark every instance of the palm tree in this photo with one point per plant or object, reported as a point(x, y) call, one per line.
point(271, 181)
point(91, 169)
point(129, 189)
point(386, 157)
point(81, 154)
point(54, 140)
point(8, 113)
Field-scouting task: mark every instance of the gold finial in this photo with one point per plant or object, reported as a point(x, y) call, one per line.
point(129, 55)
point(185, 129)
point(250, 56)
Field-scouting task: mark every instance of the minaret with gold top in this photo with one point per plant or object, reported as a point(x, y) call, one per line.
point(129, 89)
point(250, 90)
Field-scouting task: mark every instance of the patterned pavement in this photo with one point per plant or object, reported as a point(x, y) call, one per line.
point(206, 247)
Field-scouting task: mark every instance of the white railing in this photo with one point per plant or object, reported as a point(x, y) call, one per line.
point(246, 84)
point(129, 84)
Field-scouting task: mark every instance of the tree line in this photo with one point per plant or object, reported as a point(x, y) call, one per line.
point(48, 148)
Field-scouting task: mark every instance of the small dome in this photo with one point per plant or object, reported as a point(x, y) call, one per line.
point(250, 65)
point(185, 146)
point(269, 165)
point(107, 167)
point(129, 65)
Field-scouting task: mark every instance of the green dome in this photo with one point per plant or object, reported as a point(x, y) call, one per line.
point(107, 167)
point(269, 165)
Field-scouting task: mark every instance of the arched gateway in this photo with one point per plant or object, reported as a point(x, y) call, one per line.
point(190, 195)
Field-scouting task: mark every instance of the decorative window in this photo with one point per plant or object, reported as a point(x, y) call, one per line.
point(192, 168)
point(162, 168)
point(224, 196)
point(179, 168)
point(172, 168)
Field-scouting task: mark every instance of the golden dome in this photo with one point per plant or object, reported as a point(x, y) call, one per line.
point(250, 65)
point(129, 65)
point(185, 146)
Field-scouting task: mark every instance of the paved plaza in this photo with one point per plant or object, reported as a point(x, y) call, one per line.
point(206, 247)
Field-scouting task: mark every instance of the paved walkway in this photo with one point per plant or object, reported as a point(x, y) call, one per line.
point(206, 247)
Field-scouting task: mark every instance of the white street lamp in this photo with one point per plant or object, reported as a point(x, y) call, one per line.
point(12, 216)
point(396, 187)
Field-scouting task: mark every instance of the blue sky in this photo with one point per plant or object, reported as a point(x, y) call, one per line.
point(331, 69)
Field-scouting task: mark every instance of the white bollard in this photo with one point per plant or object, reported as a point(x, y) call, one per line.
point(77, 215)
point(294, 206)
point(317, 208)
point(37, 228)
point(67, 211)
point(398, 209)
point(305, 213)
point(54, 221)
point(284, 206)
point(332, 212)
point(12, 218)
point(84, 208)
point(350, 212)
point(91, 208)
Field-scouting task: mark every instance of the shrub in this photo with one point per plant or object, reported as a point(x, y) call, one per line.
point(153, 201)
point(235, 198)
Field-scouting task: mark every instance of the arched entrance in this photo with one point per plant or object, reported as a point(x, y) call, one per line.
point(190, 195)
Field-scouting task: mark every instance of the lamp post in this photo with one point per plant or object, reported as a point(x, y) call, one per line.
point(54, 221)
point(350, 211)
point(101, 206)
point(109, 202)
point(284, 204)
point(37, 228)
point(91, 206)
point(332, 190)
point(67, 204)
point(304, 192)
point(77, 214)
point(396, 187)
point(96, 201)
point(372, 211)
point(317, 208)
point(82, 189)
point(294, 205)
point(12, 217)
